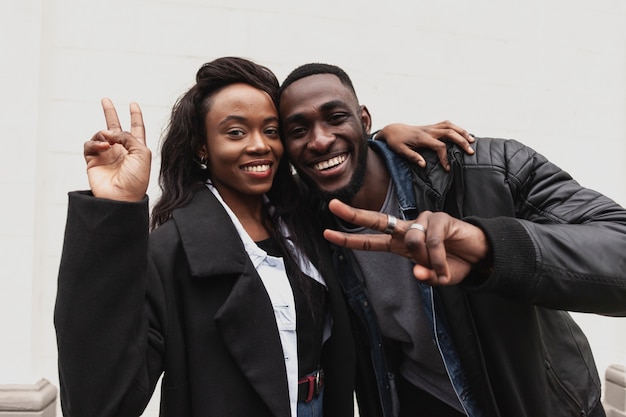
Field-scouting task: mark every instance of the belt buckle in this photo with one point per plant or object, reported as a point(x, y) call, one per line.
point(313, 383)
point(319, 381)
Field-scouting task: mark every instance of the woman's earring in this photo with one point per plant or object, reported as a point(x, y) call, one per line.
point(202, 163)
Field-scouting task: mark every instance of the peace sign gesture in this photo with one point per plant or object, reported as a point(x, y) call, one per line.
point(444, 249)
point(118, 162)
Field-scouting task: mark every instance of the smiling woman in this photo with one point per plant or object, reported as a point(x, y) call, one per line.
point(242, 147)
point(233, 283)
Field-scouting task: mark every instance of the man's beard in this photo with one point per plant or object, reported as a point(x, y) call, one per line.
point(347, 193)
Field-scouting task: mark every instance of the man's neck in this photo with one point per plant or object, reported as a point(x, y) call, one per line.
point(374, 191)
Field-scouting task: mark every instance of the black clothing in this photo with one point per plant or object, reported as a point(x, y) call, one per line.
point(185, 302)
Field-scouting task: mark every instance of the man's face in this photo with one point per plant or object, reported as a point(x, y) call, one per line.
point(324, 130)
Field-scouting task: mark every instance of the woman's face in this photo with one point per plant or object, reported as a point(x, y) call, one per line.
point(243, 144)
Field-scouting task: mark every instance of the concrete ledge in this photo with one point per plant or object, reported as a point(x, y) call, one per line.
point(26, 400)
point(615, 391)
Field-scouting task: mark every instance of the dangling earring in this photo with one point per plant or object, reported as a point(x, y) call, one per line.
point(202, 163)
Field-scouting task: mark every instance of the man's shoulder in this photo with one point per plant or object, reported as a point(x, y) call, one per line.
point(495, 152)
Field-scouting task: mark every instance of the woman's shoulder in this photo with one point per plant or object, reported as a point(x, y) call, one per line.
point(164, 237)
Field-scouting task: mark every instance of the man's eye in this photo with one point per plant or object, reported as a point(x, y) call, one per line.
point(297, 132)
point(338, 118)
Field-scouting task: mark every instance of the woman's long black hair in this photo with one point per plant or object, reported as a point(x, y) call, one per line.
point(186, 133)
point(180, 174)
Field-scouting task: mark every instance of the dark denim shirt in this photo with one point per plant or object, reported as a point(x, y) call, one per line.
point(353, 285)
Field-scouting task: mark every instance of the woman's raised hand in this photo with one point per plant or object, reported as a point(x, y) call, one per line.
point(118, 162)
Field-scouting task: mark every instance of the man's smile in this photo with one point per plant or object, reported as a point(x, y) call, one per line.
point(330, 163)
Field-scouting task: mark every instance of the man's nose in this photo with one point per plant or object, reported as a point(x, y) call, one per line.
point(321, 139)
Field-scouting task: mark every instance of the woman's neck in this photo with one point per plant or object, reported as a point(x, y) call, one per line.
point(249, 211)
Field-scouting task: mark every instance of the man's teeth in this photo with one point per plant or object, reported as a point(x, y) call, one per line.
point(332, 162)
point(256, 168)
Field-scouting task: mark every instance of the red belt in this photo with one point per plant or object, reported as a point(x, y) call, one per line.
point(310, 386)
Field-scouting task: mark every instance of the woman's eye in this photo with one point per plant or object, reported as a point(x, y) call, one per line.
point(236, 132)
point(271, 131)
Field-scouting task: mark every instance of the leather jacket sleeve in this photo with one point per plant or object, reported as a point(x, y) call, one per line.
point(565, 246)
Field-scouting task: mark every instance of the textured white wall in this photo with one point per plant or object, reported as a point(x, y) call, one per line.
point(550, 73)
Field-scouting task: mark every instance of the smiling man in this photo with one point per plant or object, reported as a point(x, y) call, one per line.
point(324, 130)
point(485, 330)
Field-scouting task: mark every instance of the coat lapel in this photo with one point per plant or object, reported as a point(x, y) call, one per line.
point(246, 319)
point(247, 324)
point(210, 240)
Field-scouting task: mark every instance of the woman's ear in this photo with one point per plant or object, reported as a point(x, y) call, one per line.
point(202, 151)
point(201, 158)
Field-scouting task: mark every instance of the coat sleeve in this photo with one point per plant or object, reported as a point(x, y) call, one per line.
point(109, 340)
point(566, 246)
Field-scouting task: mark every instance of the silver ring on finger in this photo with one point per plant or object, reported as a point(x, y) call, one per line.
point(391, 224)
point(418, 226)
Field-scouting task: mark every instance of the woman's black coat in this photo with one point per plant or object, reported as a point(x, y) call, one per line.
point(185, 302)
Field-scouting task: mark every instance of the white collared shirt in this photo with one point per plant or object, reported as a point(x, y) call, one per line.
point(274, 277)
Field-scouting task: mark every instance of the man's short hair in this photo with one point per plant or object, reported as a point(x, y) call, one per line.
point(314, 69)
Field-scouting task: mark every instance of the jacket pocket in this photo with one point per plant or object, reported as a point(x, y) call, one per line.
point(563, 401)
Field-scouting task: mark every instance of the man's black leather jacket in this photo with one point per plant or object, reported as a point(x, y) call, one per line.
point(556, 247)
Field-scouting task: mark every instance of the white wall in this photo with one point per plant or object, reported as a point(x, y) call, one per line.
point(21, 319)
point(551, 73)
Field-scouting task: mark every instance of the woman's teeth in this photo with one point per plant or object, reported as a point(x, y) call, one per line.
point(256, 168)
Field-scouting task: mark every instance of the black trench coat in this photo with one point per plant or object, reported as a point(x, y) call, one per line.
point(184, 301)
